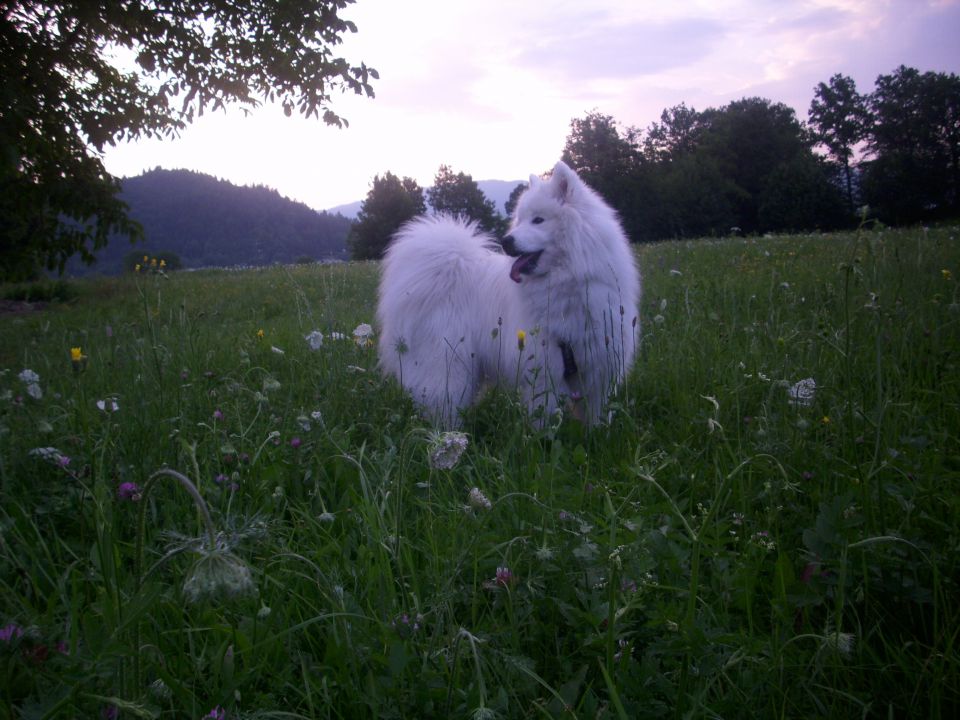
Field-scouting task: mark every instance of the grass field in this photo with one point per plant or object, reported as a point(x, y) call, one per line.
point(732, 545)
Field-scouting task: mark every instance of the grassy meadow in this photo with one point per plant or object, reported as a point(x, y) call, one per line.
point(202, 516)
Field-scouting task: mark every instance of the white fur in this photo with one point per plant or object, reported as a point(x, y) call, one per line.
point(449, 311)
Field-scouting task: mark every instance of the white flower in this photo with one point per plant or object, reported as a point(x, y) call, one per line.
point(802, 392)
point(304, 422)
point(317, 415)
point(840, 641)
point(362, 334)
point(314, 340)
point(29, 376)
point(108, 406)
point(270, 384)
point(478, 501)
point(659, 319)
point(337, 336)
point(446, 449)
point(34, 391)
point(50, 454)
point(277, 350)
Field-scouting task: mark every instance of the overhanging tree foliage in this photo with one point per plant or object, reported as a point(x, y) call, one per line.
point(79, 76)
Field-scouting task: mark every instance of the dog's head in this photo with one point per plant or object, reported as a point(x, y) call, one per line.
point(538, 231)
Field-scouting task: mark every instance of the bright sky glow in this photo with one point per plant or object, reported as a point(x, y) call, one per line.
point(490, 88)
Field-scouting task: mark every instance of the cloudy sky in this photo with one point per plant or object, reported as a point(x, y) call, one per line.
point(490, 87)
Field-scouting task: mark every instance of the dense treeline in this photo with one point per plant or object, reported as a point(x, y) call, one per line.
point(211, 222)
point(752, 166)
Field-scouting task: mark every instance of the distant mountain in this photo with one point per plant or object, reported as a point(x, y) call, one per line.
point(211, 222)
point(496, 190)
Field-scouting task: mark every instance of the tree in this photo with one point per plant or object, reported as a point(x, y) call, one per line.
point(915, 143)
point(838, 116)
point(675, 136)
point(64, 99)
point(511, 204)
point(390, 203)
point(459, 195)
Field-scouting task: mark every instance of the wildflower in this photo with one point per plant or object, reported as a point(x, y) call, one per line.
point(218, 713)
point(108, 406)
point(659, 319)
point(504, 576)
point(10, 632)
point(802, 393)
point(136, 268)
point(947, 275)
point(146, 259)
point(76, 355)
point(218, 575)
point(363, 334)
point(326, 517)
point(337, 336)
point(129, 491)
point(521, 339)
point(314, 340)
point(264, 612)
point(51, 454)
point(840, 641)
point(260, 334)
point(217, 414)
point(153, 262)
point(405, 625)
point(478, 501)
point(295, 442)
point(826, 420)
point(163, 263)
point(32, 381)
point(446, 449)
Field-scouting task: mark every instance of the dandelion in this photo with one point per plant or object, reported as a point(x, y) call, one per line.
point(446, 449)
point(478, 501)
point(521, 339)
point(314, 340)
point(802, 393)
point(363, 334)
point(76, 354)
point(129, 491)
point(260, 334)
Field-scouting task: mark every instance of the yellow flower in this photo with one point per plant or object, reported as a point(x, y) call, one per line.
point(260, 334)
point(146, 259)
point(826, 420)
point(136, 268)
point(521, 339)
point(163, 264)
point(76, 355)
point(153, 262)
point(947, 275)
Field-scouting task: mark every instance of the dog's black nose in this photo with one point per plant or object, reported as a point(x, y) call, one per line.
point(509, 246)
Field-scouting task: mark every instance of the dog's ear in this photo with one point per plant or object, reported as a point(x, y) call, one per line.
point(564, 182)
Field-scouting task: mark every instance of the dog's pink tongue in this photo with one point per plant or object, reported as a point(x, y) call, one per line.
point(518, 266)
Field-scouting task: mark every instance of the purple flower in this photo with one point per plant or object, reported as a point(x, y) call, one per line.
point(109, 712)
point(218, 713)
point(129, 491)
point(220, 479)
point(217, 415)
point(504, 576)
point(10, 632)
point(63, 461)
point(295, 442)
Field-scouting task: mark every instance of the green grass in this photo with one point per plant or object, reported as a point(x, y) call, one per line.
point(714, 552)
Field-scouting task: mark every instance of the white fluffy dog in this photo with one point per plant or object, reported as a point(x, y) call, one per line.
point(552, 310)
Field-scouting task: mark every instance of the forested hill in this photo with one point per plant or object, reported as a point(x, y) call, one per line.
point(211, 222)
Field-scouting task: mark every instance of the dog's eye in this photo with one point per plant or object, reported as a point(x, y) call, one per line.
point(537, 220)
